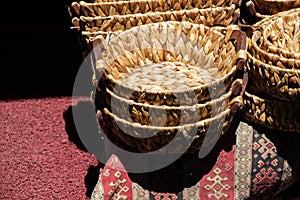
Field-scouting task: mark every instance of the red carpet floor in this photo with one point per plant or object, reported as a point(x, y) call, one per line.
point(42, 157)
point(38, 160)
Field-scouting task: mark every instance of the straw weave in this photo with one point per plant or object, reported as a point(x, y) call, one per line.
point(167, 115)
point(282, 35)
point(187, 43)
point(262, 53)
point(105, 9)
point(273, 62)
point(92, 27)
point(153, 138)
point(209, 17)
point(271, 113)
point(273, 81)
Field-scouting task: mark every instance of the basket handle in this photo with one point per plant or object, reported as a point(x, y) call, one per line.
point(238, 88)
point(240, 38)
point(252, 11)
point(75, 8)
point(76, 23)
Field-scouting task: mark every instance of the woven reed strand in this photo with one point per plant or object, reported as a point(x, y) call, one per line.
point(262, 54)
point(157, 137)
point(147, 114)
point(276, 82)
point(143, 6)
point(271, 113)
point(209, 17)
point(212, 42)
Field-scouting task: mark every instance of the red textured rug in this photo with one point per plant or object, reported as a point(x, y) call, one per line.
point(42, 156)
point(38, 160)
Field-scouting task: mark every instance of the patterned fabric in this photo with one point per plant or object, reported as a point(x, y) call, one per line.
point(251, 170)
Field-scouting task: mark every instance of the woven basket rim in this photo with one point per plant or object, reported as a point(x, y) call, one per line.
point(89, 18)
point(273, 119)
point(98, 35)
point(285, 70)
point(83, 3)
point(200, 123)
point(268, 27)
point(269, 55)
point(166, 107)
point(270, 18)
point(191, 89)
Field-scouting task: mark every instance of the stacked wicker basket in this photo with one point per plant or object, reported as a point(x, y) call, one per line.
point(167, 72)
point(171, 81)
point(101, 17)
point(272, 98)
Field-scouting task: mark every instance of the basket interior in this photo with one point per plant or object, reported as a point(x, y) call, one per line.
point(283, 32)
point(263, 54)
point(167, 57)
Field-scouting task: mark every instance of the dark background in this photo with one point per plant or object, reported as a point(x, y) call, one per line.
point(40, 54)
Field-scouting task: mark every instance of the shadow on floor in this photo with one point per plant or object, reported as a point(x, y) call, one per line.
point(88, 129)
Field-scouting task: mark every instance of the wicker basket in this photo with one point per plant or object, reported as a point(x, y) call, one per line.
point(273, 81)
point(95, 26)
point(261, 53)
point(265, 8)
point(188, 44)
point(147, 114)
point(271, 113)
point(208, 16)
point(282, 35)
point(106, 9)
point(275, 71)
point(142, 138)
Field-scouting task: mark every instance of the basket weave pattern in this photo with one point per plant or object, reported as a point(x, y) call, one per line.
point(270, 71)
point(188, 44)
point(212, 16)
point(105, 9)
point(273, 94)
point(272, 113)
point(161, 136)
point(200, 40)
point(102, 18)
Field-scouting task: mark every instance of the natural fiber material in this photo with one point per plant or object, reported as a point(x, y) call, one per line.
point(282, 35)
point(271, 113)
point(261, 53)
point(92, 27)
point(185, 43)
point(106, 9)
point(170, 67)
point(147, 114)
point(273, 63)
point(218, 16)
point(153, 138)
point(101, 18)
point(270, 80)
point(264, 8)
